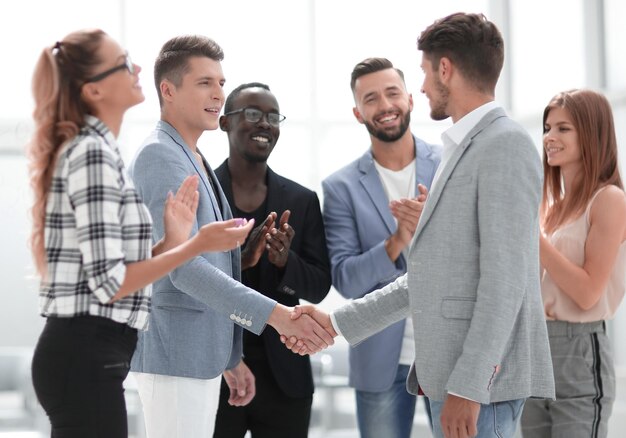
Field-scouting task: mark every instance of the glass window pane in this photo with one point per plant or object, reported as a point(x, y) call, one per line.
point(615, 11)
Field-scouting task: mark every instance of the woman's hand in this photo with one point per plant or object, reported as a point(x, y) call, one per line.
point(179, 213)
point(223, 235)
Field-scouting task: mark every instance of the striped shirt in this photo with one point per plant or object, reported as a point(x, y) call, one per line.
point(95, 224)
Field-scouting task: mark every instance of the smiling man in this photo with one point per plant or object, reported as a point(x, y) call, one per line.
point(199, 310)
point(371, 211)
point(285, 261)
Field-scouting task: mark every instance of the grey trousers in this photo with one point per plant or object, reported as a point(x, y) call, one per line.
point(585, 385)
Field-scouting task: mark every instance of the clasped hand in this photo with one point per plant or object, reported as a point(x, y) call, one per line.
point(300, 345)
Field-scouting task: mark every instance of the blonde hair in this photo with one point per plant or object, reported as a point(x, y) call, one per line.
point(59, 114)
point(592, 119)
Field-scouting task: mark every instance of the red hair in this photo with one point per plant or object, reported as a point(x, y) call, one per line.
point(592, 119)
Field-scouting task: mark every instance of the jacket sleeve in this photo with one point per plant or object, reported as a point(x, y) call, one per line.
point(156, 172)
point(355, 272)
point(307, 273)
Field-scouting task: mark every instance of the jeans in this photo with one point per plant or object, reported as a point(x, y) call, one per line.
point(496, 420)
point(389, 413)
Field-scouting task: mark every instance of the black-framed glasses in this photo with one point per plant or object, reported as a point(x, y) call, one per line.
point(127, 65)
point(254, 115)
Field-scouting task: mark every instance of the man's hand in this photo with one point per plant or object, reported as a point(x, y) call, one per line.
point(179, 213)
point(279, 241)
point(459, 417)
point(241, 382)
point(255, 246)
point(322, 318)
point(407, 212)
point(304, 328)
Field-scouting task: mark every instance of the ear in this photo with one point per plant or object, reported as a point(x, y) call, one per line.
point(224, 123)
point(91, 93)
point(445, 69)
point(358, 115)
point(167, 90)
point(410, 102)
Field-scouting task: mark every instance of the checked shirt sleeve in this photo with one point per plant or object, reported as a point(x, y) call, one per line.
point(95, 189)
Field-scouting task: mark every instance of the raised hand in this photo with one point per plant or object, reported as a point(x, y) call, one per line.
point(279, 241)
point(179, 213)
point(223, 235)
point(241, 383)
point(407, 212)
point(322, 318)
point(251, 254)
point(302, 327)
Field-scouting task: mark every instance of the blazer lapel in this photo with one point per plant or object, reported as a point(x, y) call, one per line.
point(370, 180)
point(435, 195)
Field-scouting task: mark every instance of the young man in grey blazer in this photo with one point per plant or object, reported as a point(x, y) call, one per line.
point(199, 310)
point(472, 286)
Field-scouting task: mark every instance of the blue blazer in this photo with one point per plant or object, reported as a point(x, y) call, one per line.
point(358, 221)
point(200, 308)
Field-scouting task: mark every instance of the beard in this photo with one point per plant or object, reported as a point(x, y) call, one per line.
point(390, 136)
point(438, 107)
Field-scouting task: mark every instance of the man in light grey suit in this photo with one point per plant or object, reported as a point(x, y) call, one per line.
point(472, 286)
point(199, 309)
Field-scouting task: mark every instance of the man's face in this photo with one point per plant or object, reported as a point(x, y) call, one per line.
point(200, 96)
point(437, 93)
point(383, 104)
point(253, 141)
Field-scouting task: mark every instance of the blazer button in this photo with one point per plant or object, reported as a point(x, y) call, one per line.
point(249, 323)
point(232, 316)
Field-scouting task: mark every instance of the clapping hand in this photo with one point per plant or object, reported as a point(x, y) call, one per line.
point(407, 212)
point(279, 241)
point(251, 254)
point(179, 212)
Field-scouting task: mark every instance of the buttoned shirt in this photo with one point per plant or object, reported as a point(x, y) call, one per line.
point(95, 224)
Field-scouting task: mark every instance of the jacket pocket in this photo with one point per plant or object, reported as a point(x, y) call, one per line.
point(459, 181)
point(457, 307)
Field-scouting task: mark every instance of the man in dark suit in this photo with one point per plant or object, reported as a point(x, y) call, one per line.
point(285, 261)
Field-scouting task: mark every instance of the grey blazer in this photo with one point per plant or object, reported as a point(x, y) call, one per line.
point(472, 284)
point(199, 309)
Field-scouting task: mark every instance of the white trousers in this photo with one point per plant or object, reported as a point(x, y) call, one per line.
point(178, 407)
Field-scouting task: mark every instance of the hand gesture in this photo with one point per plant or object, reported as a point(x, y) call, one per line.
point(322, 318)
point(241, 383)
point(223, 235)
point(279, 241)
point(179, 213)
point(459, 417)
point(407, 212)
point(255, 246)
point(302, 327)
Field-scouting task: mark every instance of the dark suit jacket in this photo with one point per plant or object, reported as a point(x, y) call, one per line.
point(306, 275)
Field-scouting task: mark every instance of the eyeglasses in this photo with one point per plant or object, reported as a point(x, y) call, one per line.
point(128, 65)
point(254, 115)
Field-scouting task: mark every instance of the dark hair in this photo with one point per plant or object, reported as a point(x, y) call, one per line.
point(59, 113)
point(371, 65)
point(471, 42)
point(592, 119)
point(228, 105)
point(173, 59)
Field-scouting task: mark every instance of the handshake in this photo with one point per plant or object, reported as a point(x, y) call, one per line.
point(303, 329)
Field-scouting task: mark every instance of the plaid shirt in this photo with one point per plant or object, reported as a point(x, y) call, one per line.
point(95, 224)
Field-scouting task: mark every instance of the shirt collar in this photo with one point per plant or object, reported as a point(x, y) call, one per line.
point(457, 132)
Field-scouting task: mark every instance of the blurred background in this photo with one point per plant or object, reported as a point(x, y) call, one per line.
point(305, 51)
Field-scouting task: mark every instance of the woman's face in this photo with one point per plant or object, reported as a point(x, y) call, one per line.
point(560, 139)
point(116, 78)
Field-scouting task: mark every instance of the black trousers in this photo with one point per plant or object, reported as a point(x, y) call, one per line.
point(79, 366)
point(270, 414)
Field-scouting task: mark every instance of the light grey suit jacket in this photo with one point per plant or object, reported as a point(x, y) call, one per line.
point(472, 284)
point(200, 308)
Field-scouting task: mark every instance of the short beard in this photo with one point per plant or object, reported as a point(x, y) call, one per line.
point(438, 111)
point(390, 137)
